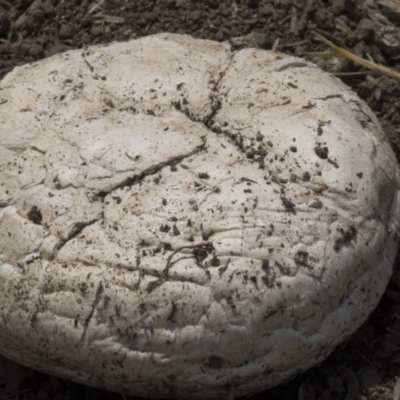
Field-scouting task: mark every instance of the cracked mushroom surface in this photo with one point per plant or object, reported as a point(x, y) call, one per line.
point(178, 218)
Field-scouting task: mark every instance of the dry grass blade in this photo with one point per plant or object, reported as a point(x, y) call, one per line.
point(353, 74)
point(106, 17)
point(381, 69)
point(322, 54)
point(19, 23)
point(392, 5)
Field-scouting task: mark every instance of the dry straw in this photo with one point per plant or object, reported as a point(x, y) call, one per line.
point(338, 51)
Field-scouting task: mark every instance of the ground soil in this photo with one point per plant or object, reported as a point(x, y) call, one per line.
point(367, 366)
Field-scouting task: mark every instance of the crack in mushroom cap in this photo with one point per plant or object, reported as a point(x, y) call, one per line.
point(177, 217)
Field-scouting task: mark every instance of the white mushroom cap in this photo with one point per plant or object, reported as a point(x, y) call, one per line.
point(177, 217)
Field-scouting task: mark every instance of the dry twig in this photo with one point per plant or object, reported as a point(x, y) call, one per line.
point(378, 68)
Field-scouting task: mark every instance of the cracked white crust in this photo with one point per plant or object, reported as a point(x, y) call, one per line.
point(177, 217)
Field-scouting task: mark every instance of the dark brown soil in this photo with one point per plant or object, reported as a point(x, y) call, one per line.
point(367, 366)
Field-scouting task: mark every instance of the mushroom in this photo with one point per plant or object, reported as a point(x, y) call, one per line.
point(178, 219)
